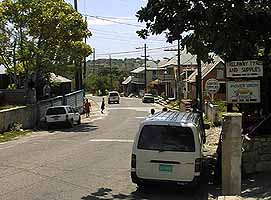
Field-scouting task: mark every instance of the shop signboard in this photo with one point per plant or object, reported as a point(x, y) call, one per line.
point(243, 92)
point(244, 69)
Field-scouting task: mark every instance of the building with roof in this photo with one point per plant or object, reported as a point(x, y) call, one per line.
point(136, 82)
point(4, 78)
point(60, 84)
point(188, 66)
point(212, 70)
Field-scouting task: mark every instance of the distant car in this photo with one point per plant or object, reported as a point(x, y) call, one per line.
point(148, 98)
point(113, 97)
point(62, 115)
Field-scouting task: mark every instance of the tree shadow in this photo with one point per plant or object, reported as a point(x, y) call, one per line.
point(257, 186)
point(84, 127)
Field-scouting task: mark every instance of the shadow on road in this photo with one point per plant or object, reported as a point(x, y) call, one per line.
point(85, 127)
point(157, 192)
point(257, 186)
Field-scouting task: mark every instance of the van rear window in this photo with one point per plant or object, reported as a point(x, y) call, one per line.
point(166, 138)
point(56, 111)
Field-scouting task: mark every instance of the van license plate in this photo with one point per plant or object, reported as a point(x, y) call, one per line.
point(165, 168)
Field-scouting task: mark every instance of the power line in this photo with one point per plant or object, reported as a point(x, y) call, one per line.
point(122, 38)
point(135, 51)
point(113, 21)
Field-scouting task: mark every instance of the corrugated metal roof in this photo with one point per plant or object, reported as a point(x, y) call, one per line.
point(59, 79)
point(173, 116)
point(127, 80)
point(2, 69)
point(186, 59)
point(138, 70)
point(206, 69)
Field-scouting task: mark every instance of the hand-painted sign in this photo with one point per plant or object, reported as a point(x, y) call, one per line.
point(212, 86)
point(243, 92)
point(242, 69)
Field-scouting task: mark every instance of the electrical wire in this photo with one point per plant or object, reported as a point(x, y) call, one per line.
point(128, 52)
point(113, 21)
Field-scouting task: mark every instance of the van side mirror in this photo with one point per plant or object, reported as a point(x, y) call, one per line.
point(207, 126)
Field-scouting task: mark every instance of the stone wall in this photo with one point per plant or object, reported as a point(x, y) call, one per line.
point(26, 115)
point(257, 154)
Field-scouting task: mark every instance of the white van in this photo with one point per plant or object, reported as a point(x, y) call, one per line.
point(113, 97)
point(168, 148)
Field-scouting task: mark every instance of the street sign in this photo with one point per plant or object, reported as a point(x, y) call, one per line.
point(244, 69)
point(243, 92)
point(212, 86)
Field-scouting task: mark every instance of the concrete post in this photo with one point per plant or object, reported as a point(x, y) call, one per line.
point(231, 154)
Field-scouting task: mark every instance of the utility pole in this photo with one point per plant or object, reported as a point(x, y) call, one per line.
point(78, 67)
point(145, 65)
point(111, 78)
point(145, 62)
point(94, 66)
point(85, 58)
point(179, 78)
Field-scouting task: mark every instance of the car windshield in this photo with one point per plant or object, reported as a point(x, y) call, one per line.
point(113, 94)
point(56, 111)
point(167, 138)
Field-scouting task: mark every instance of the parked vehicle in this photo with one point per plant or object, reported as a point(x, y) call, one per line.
point(62, 115)
point(148, 98)
point(113, 97)
point(168, 149)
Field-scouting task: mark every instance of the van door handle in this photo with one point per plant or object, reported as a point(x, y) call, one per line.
point(165, 162)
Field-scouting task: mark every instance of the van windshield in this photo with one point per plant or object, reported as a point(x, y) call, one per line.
point(167, 138)
point(113, 94)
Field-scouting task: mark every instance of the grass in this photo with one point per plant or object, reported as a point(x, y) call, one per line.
point(173, 105)
point(7, 136)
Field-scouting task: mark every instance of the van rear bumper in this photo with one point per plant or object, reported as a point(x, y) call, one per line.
point(137, 180)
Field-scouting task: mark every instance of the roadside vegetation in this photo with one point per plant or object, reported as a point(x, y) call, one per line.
point(15, 131)
point(11, 135)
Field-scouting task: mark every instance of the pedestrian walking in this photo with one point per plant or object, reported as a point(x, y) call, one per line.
point(152, 111)
point(87, 108)
point(165, 109)
point(102, 106)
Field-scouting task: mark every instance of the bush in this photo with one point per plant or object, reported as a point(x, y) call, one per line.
point(14, 127)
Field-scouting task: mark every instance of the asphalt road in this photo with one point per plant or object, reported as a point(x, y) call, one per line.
point(89, 162)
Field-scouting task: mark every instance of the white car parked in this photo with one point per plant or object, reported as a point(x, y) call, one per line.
point(168, 149)
point(62, 115)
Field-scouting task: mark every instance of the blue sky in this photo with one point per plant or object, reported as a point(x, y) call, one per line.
point(110, 37)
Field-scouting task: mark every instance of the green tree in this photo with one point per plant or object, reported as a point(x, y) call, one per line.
point(41, 34)
point(235, 30)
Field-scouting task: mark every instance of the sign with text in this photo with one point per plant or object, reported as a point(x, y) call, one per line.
point(243, 69)
point(243, 92)
point(212, 86)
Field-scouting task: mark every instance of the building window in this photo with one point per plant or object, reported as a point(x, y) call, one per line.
point(220, 74)
point(222, 88)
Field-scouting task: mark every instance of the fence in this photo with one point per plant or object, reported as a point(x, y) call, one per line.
point(45, 104)
point(32, 115)
point(25, 115)
point(75, 99)
point(211, 111)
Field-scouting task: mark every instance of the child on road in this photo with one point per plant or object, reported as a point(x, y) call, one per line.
point(102, 106)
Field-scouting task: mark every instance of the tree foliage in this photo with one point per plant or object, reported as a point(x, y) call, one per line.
point(36, 35)
point(232, 29)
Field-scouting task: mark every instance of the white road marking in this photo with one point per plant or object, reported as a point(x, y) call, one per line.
point(111, 140)
point(140, 117)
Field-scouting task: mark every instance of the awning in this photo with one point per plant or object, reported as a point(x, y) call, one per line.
point(127, 80)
